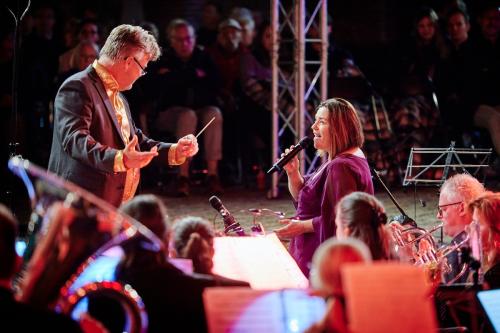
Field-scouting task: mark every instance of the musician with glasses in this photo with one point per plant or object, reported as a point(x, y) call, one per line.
point(95, 142)
point(455, 194)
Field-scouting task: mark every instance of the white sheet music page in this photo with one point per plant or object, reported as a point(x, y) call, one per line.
point(244, 310)
point(263, 261)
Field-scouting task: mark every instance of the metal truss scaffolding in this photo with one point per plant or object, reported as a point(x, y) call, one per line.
point(299, 78)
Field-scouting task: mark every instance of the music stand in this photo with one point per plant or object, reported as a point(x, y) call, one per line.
point(447, 158)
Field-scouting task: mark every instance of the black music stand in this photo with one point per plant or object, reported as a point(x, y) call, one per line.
point(447, 158)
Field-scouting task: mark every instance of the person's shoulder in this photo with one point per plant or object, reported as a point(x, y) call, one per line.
point(82, 76)
point(348, 162)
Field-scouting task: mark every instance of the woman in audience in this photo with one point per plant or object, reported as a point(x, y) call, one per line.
point(362, 216)
point(338, 134)
point(326, 280)
point(486, 211)
point(415, 113)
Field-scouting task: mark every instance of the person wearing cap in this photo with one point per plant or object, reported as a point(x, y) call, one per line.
point(245, 19)
point(227, 53)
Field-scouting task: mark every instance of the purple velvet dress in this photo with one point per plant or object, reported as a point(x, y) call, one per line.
point(318, 198)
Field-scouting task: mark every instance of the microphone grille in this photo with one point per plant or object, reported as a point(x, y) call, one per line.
point(215, 202)
point(305, 142)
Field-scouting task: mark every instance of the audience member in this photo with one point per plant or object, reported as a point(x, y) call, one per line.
point(16, 316)
point(83, 55)
point(486, 211)
point(172, 298)
point(227, 53)
point(338, 134)
point(362, 216)
point(326, 280)
point(414, 112)
point(210, 18)
point(256, 81)
point(454, 195)
point(486, 46)
point(187, 83)
point(455, 77)
point(245, 19)
point(88, 31)
point(39, 54)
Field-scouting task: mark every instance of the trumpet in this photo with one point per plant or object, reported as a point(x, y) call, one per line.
point(416, 245)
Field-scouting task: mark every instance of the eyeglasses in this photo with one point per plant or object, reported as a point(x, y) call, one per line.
point(143, 70)
point(440, 207)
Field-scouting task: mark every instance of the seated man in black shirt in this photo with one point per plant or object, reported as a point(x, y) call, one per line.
point(186, 82)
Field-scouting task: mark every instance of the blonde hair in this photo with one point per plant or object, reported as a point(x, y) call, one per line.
point(126, 39)
point(487, 206)
point(462, 187)
point(345, 127)
point(328, 260)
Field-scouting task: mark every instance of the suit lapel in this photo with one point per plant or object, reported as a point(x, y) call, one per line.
point(107, 102)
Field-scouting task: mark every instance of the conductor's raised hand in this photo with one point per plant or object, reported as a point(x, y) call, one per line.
point(133, 158)
point(187, 146)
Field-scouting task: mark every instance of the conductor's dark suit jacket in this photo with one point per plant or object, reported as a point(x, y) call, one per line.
point(87, 137)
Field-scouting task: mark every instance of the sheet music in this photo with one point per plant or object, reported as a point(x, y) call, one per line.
point(263, 261)
point(490, 301)
point(388, 297)
point(245, 310)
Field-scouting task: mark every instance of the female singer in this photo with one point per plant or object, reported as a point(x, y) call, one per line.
point(338, 133)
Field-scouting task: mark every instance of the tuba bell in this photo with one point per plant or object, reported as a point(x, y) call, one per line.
point(73, 247)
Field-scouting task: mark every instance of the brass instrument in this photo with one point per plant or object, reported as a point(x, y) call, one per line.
point(64, 214)
point(416, 245)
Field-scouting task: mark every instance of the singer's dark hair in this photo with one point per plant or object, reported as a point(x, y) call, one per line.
point(345, 127)
point(365, 217)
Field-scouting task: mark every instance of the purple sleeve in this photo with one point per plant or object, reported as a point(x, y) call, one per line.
point(340, 181)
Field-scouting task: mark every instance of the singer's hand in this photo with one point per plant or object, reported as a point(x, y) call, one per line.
point(292, 166)
point(293, 228)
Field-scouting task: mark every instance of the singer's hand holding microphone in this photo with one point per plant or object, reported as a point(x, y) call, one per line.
point(292, 166)
point(289, 160)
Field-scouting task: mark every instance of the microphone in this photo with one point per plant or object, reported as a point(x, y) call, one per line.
point(230, 224)
point(278, 166)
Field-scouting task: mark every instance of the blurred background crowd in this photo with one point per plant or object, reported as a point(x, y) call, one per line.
point(432, 67)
